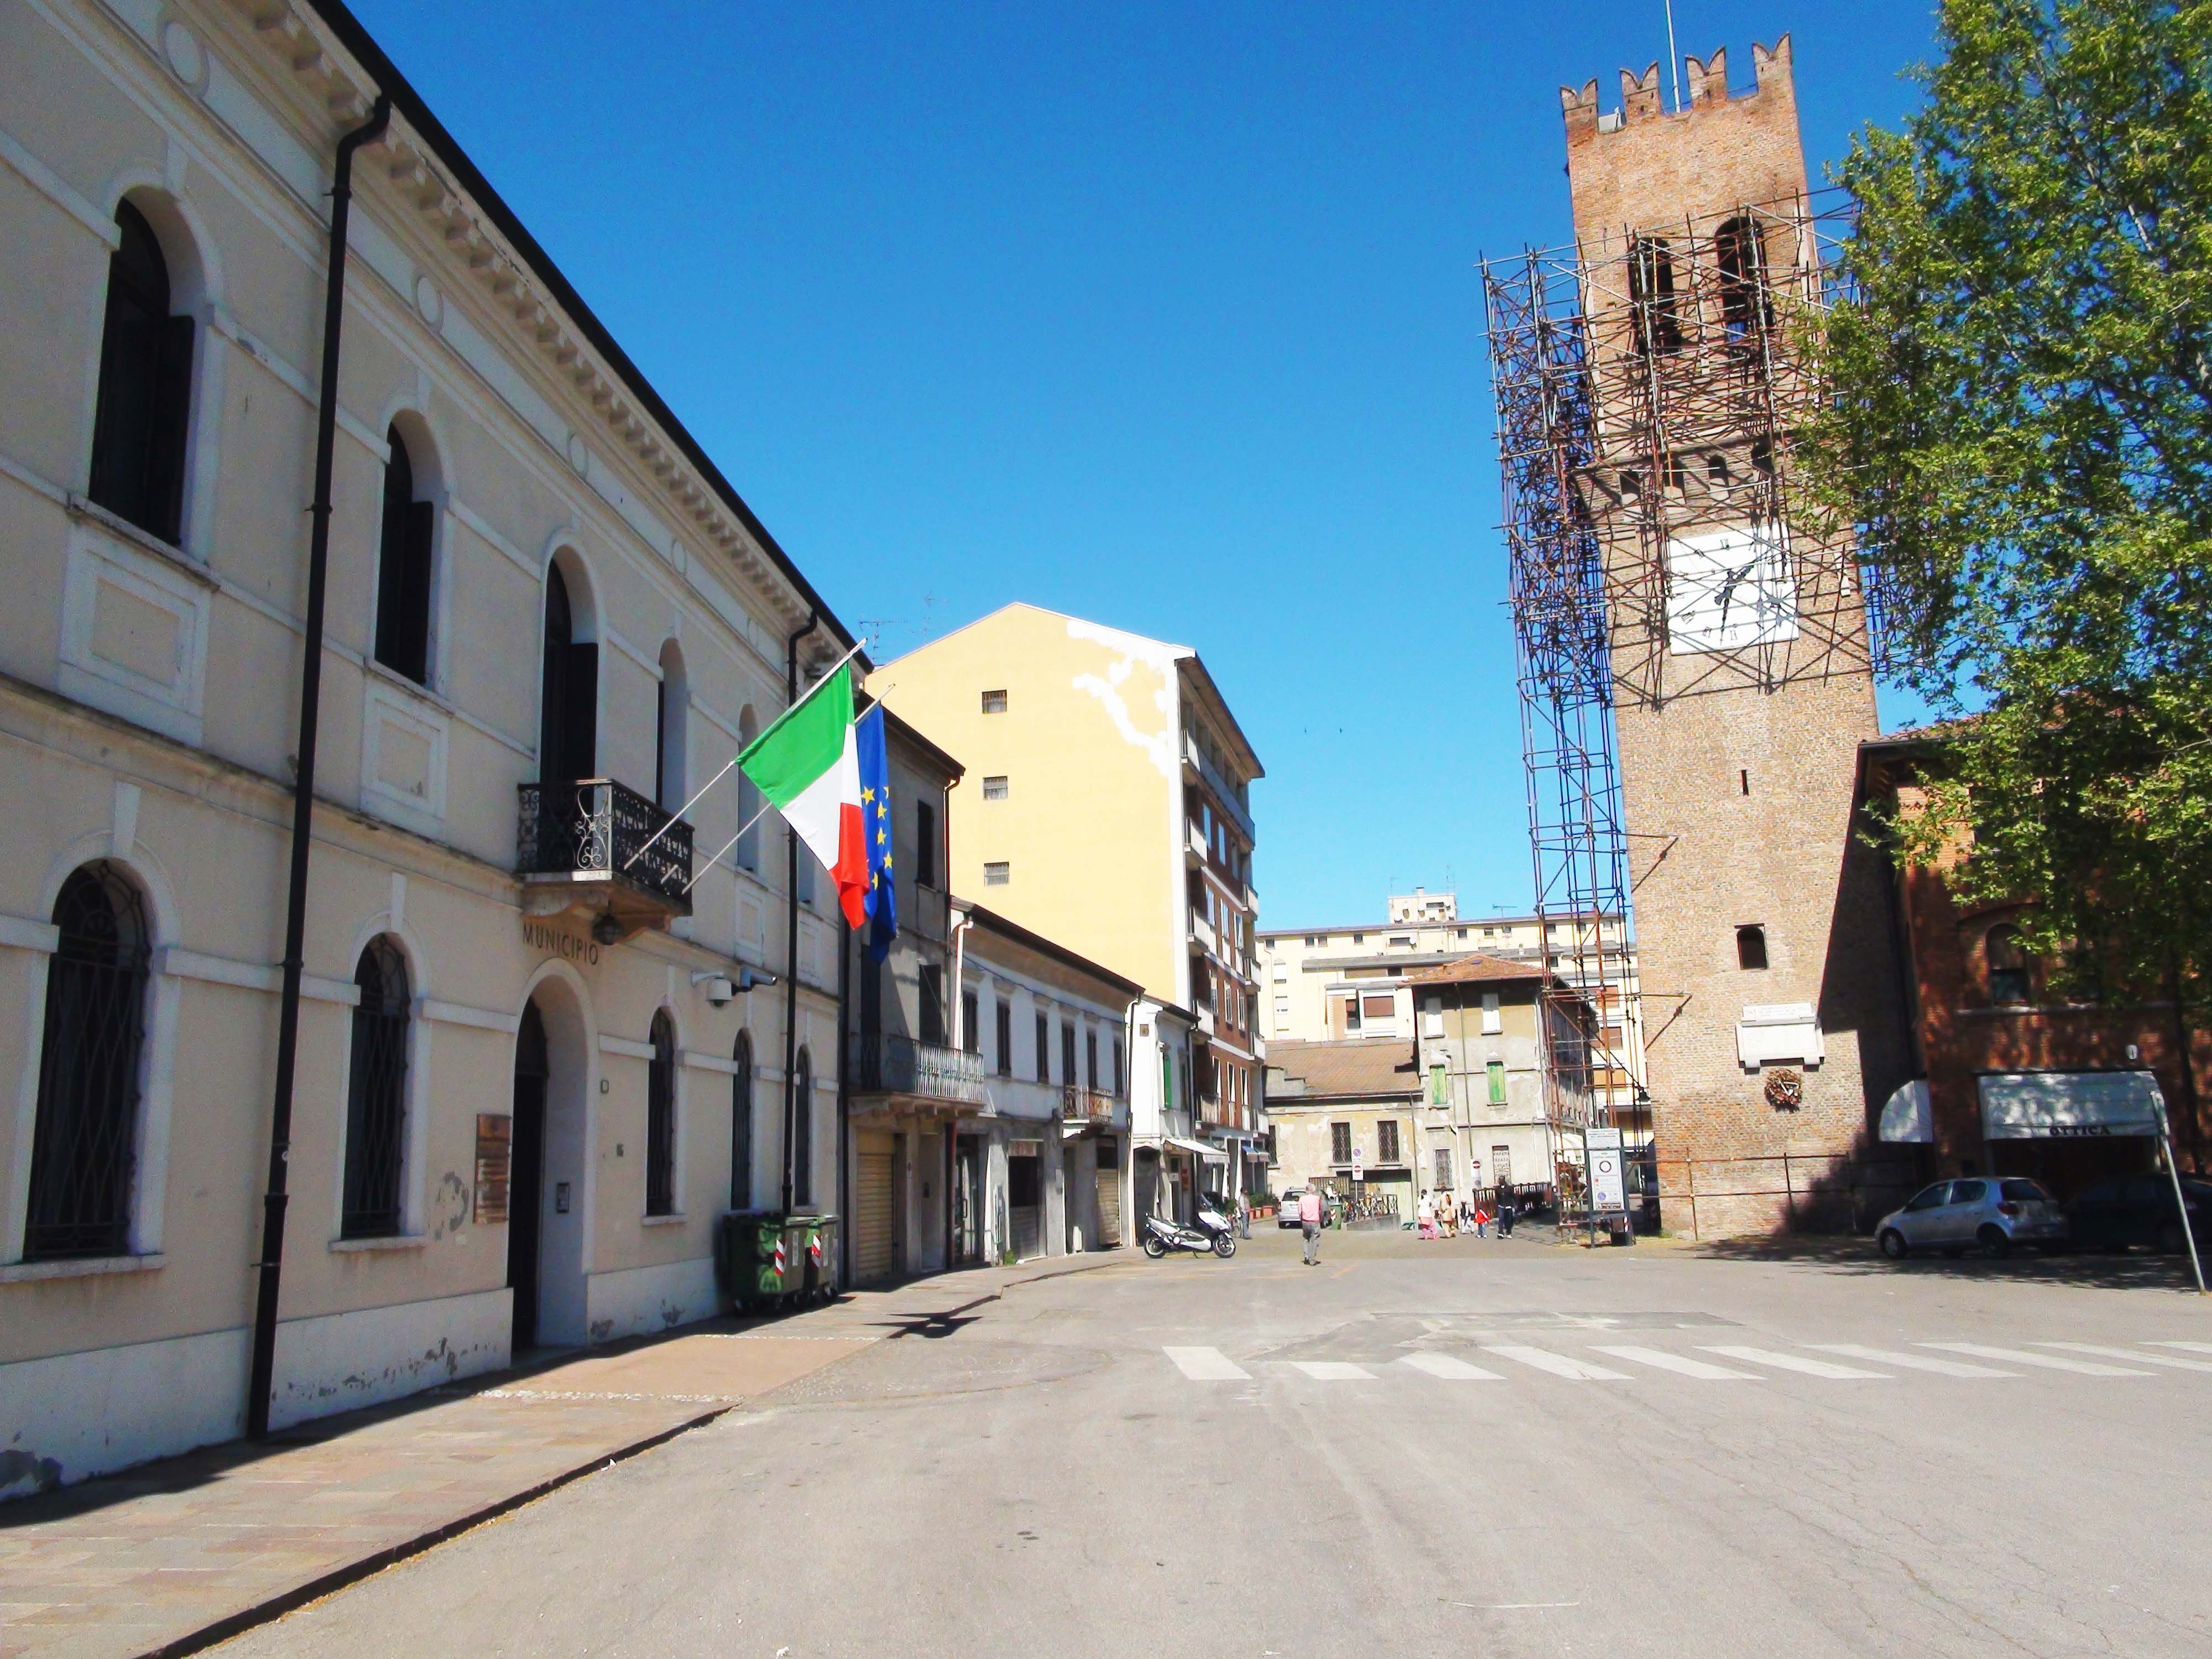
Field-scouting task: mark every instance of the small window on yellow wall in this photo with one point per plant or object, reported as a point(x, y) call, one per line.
point(994, 702)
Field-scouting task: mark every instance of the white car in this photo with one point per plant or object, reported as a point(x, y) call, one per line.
point(1994, 1212)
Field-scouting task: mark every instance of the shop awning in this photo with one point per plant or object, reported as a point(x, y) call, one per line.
point(2069, 1105)
point(1907, 1117)
point(1199, 1149)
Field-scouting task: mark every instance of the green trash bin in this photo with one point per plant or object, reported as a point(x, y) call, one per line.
point(813, 1254)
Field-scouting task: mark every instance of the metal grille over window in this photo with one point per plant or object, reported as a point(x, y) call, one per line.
point(376, 1102)
point(660, 1121)
point(87, 1113)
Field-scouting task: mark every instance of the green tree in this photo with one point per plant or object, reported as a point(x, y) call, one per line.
point(2021, 435)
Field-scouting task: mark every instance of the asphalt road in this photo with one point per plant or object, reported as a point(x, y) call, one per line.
point(1382, 1455)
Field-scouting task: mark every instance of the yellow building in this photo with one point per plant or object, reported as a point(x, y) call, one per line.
point(1106, 806)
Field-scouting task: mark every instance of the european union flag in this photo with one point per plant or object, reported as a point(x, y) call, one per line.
point(881, 904)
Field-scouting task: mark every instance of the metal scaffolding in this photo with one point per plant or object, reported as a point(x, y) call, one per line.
point(1646, 383)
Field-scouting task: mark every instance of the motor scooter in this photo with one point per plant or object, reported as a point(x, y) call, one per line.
point(1212, 1234)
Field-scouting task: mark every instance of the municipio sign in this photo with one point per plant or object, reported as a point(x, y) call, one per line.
point(1607, 1188)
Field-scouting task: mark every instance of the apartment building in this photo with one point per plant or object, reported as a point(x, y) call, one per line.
point(1044, 1169)
point(1348, 983)
point(534, 1061)
point(1111, 810)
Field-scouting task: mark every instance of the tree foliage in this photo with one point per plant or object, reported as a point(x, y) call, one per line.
point(2022, 435)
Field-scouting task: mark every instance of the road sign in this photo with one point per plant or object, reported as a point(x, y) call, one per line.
point(1608, 1189)
point(1355, 1162)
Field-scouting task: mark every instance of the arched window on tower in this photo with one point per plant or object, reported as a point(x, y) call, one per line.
point(87, 1126)
point(376, 1098)
point(403, 570)
point(145, 388)
point(661, 1119)
point(1746, 308)
point(1751, 947)
point(1651, 292)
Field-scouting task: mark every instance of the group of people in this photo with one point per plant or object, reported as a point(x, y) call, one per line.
point(1440, 1215)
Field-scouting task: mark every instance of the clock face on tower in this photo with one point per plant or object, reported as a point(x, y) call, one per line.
point(1727, 589)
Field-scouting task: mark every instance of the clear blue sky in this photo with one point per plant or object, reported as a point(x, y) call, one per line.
point(1162, 314)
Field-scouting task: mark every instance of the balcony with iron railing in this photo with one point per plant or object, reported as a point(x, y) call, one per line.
point(598, 846)
point(887, 1063)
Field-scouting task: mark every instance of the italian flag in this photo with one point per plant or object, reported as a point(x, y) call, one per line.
point(808, 765)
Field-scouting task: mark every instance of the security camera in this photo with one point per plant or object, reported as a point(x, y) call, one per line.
point(717, 985)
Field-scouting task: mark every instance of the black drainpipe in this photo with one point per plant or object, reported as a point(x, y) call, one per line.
point(791, 848)
point(262, 1382)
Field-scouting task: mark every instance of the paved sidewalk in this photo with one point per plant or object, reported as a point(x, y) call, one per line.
point(176, 1555)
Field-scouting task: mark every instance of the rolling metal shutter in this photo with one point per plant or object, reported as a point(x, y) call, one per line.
point(874, 1237)
point(1109, 1207)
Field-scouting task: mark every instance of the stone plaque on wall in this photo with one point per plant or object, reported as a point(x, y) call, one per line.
point(495, 1161)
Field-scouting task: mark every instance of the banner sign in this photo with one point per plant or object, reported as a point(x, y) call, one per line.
point(1607, 1188)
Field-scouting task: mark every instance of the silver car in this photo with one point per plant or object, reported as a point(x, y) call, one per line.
point(1992, 1212)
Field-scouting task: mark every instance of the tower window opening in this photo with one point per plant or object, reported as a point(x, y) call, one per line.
point(1751, 948)
point(1744, 302)
point(1743, 780)
point(1651, 293)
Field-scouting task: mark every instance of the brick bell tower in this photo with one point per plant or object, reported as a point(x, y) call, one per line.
point(1742, 679)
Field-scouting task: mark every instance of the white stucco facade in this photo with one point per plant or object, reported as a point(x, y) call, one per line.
point(149, 690)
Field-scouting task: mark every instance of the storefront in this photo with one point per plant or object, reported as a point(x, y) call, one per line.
point(2070, 1129)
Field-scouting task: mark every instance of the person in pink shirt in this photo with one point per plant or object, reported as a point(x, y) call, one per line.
point(1309, 1214)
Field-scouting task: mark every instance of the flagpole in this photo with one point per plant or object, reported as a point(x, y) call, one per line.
point(726, 847)
point(733, 760)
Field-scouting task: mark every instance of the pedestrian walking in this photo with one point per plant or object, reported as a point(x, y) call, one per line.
point(1504, 1213)
point(1481, 1222)
point(1309, 1214)
point(1425, 1213)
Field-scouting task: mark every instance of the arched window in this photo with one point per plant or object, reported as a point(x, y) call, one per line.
point(376, 1100)
point(403, 570)
point(1751, 947)
point(1742, 263)
point(802, 1131)
point(88, 1114)
point(568, 708)
point(1652, 291)
point(749, 798)
point(671, 773)
point(145, 387)
point(741, 1124)
point(2007, 965)
point(661, 1119)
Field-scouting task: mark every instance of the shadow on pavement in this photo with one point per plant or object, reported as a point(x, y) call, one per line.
point(1851, 1254)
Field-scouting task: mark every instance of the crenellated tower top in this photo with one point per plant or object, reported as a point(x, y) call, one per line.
point(1642, 164)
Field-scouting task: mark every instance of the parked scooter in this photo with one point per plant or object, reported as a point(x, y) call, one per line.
point(1213, 1233)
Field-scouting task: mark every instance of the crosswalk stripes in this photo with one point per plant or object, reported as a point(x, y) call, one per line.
point(1542, 1360)
point(1982, 1361)
point(1792, 1362)
point(2168, 1360)
point(1450, 1368)
point(1207, 1365)
point(2049, 1361)
point(1660, 1359)
point(1912, 1362)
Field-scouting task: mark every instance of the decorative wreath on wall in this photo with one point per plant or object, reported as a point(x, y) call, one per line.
point(1785, 1090)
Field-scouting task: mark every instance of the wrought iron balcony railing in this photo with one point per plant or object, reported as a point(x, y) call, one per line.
point(887, 1064)
point(593, 830)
